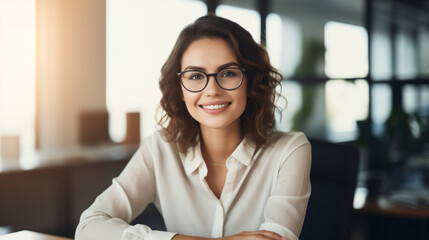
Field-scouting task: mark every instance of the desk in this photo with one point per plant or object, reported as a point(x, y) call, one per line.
point(50, 195)
point(382, 206)
point(385, 219)
point(33, 159)
point(29, 235)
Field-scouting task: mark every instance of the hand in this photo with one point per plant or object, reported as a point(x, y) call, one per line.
point(255, 235)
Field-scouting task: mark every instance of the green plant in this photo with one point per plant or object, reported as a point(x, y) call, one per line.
point(313, 54)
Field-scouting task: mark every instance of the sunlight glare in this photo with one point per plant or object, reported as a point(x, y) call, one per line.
point(18, 70)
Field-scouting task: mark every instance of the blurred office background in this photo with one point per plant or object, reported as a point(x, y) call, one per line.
point(355, 72)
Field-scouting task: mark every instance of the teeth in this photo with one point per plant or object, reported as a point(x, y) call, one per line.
point(213, 107)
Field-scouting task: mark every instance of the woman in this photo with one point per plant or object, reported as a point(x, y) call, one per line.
point(217, 168)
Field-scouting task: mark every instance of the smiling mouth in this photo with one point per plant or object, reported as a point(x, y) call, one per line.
point(215, 106)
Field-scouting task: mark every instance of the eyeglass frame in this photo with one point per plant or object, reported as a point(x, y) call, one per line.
point(179, 74)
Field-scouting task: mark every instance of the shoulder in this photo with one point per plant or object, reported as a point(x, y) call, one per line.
point(156, 138)
point(287, 142)
point(289, 139)
point(156, 144)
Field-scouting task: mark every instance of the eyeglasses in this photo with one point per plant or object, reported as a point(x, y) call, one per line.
point(228, 79)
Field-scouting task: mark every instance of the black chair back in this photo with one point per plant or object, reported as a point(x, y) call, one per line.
point(333, 181)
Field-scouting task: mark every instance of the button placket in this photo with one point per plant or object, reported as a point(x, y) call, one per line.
point(219, 221)
point(228, 187)
point(223, 203)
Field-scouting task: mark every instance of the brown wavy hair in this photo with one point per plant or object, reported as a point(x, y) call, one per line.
point(257, 120)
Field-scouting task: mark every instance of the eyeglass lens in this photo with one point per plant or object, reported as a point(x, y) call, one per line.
point(228, 79)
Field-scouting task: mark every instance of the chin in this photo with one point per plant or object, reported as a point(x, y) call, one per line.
point(218, 125)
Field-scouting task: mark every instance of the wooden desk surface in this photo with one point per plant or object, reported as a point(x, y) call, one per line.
point(66, 156)
point(29, 235)
point(382, 206)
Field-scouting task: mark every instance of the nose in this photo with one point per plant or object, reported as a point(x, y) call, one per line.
point(212, 88)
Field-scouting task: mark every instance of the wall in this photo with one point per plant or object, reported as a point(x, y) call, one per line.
point(70, 71)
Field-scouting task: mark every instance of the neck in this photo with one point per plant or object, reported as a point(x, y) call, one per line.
point(218, 144)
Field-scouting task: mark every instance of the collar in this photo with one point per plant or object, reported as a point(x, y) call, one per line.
point(193, 158)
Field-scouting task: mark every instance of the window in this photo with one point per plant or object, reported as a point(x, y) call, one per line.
point(274, 40)
point(292, 93)
point(346, 50)
point(381, 55)
point(423, 46)
point(139, 40)
point(410, 94)
point(17, 87)
point(406, 60)
point(248, 19)
point(346, 57)
point(346, 103)
point(285, 56)
point(381, 106)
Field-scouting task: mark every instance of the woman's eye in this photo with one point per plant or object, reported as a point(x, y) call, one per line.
point(196, 77)
point(228, 74)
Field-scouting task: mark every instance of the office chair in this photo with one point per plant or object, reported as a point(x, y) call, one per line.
point(333, 179)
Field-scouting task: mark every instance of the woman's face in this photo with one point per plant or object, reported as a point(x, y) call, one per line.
point(213, 107)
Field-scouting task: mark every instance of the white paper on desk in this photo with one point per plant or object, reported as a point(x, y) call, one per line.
point(411, 197)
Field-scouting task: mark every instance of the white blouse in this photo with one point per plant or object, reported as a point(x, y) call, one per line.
point(265, 191)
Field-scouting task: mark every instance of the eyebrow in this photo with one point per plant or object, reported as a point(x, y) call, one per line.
point(223, 66)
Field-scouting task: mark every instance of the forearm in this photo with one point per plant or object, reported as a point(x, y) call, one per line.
point(253, 235)
point(100, 229)
point(184, 237)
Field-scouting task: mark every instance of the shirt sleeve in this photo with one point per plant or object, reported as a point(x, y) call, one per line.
point(109, 216)
point(285, 209)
